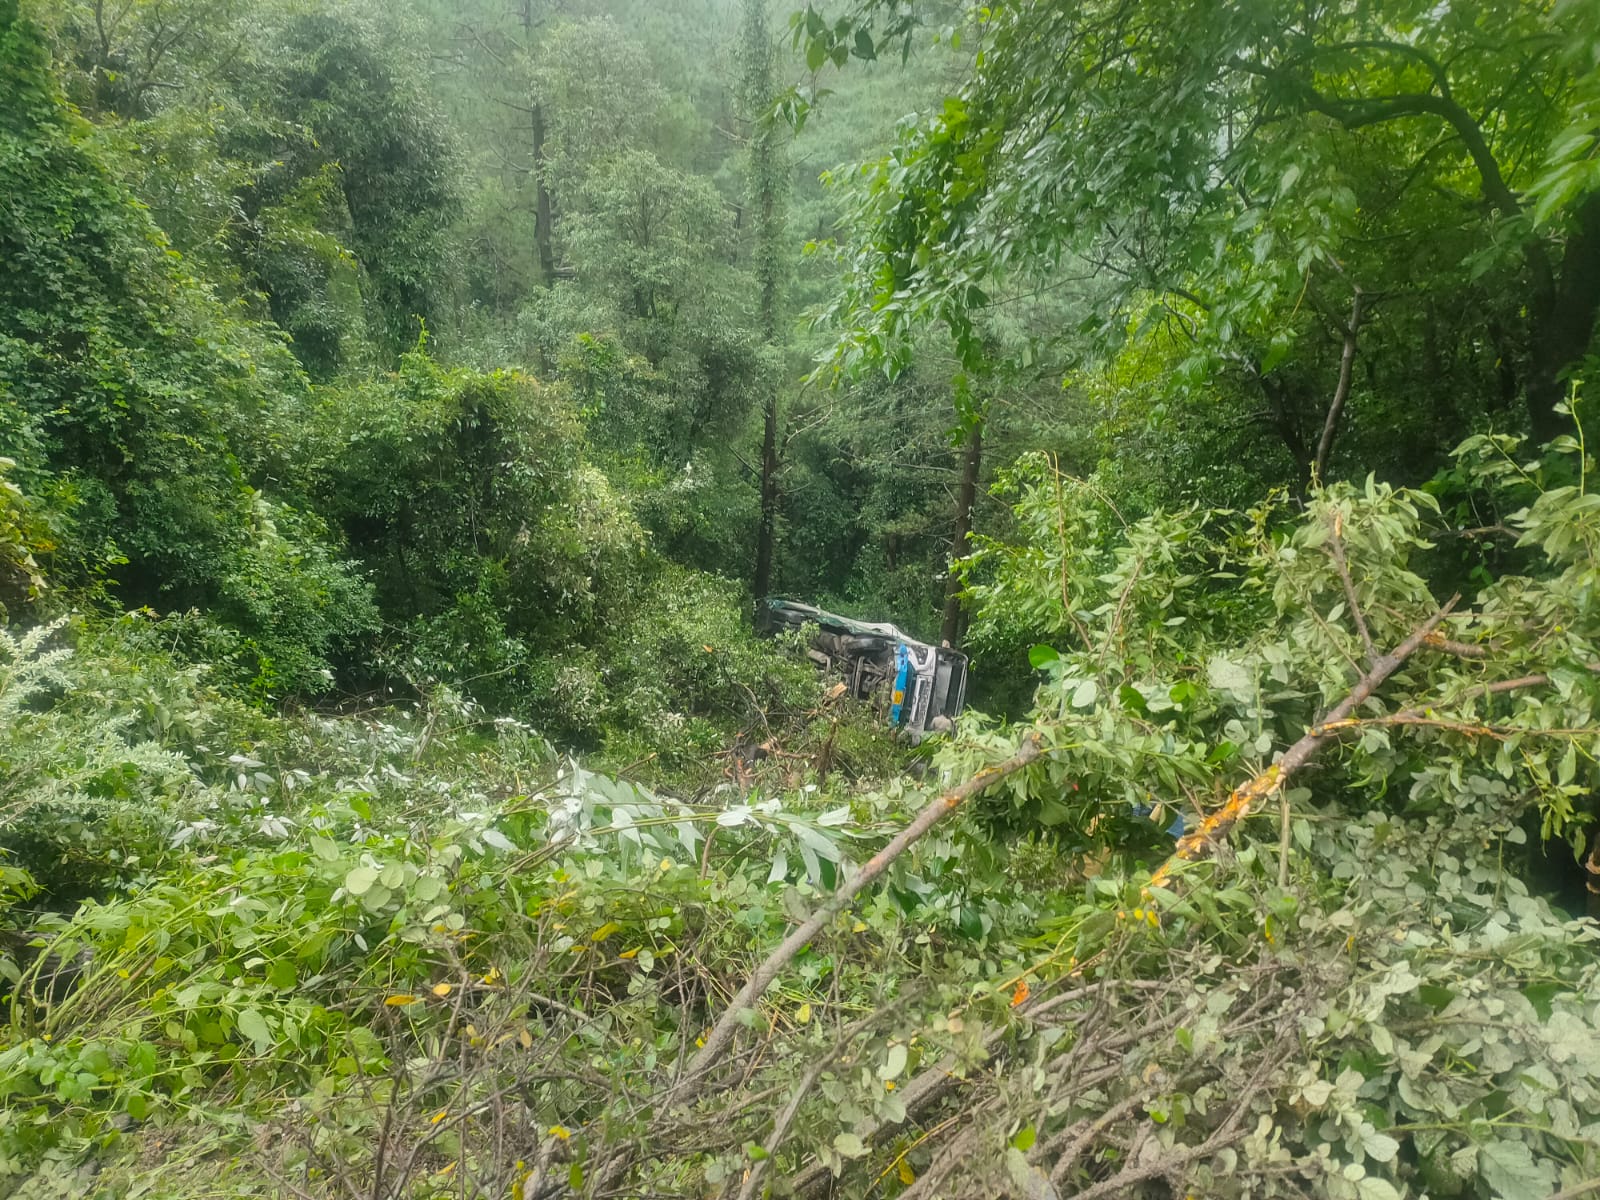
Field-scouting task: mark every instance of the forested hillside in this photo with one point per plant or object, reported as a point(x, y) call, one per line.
point(406, 407)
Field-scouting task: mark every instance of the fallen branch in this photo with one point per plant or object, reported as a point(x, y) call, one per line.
point(785, 1118)
point(1511, 685)
point(1437, 641)
point(722, 1033)
point(1424, 716)
point(1249, 794)
point(932, 1083)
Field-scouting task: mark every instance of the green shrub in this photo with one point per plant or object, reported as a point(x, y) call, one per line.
point(87, 799)
point(446, 483)
point(137, 406)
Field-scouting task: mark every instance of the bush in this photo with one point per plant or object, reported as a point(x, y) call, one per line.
point(450, 483)
point(681, 674)
point(89, 797)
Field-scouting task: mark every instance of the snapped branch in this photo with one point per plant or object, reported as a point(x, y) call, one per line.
point(1248, 795)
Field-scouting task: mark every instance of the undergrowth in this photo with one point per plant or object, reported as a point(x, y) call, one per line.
point(414, 951)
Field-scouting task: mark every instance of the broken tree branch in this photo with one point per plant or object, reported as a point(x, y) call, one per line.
point(1437, 641)
point(1506, 685)
point(933, 1083)
point(1247, 795)
point(721, 1034)
point(785, 1118)
point(1424, 717)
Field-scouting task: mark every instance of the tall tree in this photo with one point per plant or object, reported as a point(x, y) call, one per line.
point(966, 496)
point(768, 170)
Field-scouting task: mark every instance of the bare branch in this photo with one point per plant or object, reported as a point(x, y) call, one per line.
point(1437, 641)
point(1341, 393)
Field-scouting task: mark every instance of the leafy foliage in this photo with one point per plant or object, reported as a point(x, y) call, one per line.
point(394, 801)
point(137, 406)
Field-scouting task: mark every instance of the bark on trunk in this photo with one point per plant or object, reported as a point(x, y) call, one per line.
point(767, 169)
point(950, 630)
point(769, 498)
point(542, 214)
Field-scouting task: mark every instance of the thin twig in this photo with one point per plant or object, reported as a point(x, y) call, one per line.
point(780, 1127)
point(1336, 549)
point(1094, 1129)
point(1285, 836)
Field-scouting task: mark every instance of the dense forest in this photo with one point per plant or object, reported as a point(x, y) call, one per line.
point(406, 407)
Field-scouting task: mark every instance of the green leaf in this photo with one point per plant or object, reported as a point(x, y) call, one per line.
point(281, 974)
point(254, 1026)
point(848, 1145)
point(493, 837)
point(359, 881)
point(1317, 1093)
point(816, 54)
point(1084, 695)
point(1228, 676)
point(895, 1064)
point(1509, 1168)
point(1221, 753)
point(1378, 1146)
point(1042, 656)
point(1435, 995)
point(1026, 1178)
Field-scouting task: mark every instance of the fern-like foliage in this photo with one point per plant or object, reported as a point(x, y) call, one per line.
point(81, 796)
point(27, 668)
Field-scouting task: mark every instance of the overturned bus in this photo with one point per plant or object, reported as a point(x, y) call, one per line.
point(917, 687)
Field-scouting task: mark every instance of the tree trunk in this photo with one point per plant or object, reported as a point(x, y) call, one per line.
point(542, 216)
point(769, 498)
point(1341, 394)
point(950, 630)
point(1564, 321)
point(768, 166)
point(1282, 414)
